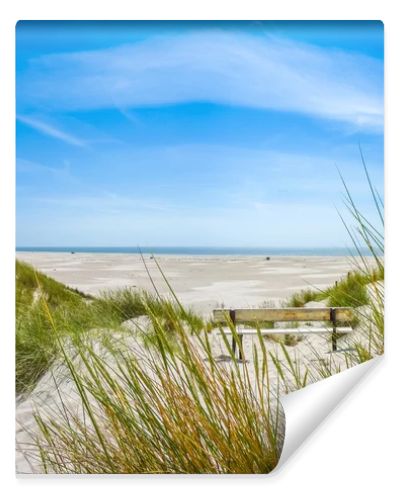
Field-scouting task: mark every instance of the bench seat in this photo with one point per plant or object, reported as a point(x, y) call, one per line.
point(240, 318)
point(288, 331)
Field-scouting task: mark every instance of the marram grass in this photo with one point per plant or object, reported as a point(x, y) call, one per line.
point(73, 314)
point(362, 289)
point(162, 410)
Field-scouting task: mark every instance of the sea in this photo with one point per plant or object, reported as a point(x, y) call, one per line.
point(202, 250)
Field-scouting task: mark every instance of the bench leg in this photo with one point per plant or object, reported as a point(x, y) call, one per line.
point(334, 334)
point(234, 346)
point(334, 341)
point(241, 347)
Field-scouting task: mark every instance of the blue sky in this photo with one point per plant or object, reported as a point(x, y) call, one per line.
point(214, 134)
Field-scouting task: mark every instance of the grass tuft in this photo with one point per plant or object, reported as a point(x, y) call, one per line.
point(162, 411)
point(75, 313)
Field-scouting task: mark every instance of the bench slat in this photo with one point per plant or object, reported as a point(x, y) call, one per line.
point(289, 331)
point(285, 314)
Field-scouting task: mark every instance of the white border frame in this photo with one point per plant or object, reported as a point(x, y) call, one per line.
point(343, 458)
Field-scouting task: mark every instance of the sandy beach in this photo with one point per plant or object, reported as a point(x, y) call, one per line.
point(201, 282)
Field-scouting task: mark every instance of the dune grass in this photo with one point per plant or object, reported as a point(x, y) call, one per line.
point(73, 313)
point(295, 372)
point(35, 345)
point(349, 291)
point(164, 406)
point(27, 285)
point(363, 232)
point(163, 410)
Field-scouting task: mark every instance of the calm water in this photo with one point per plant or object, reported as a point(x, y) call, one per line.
point(199, 250)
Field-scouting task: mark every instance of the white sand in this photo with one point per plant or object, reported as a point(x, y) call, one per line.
point(202, 282)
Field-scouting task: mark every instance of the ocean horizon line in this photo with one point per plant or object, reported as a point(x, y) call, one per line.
point(199, 250)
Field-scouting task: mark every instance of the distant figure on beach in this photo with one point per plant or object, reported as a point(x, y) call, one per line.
point(267, 258)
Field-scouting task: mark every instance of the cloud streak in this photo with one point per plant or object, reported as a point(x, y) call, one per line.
point(223, 68)
point(50, 130)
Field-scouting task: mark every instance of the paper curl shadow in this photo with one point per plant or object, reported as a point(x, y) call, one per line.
point(307, 408)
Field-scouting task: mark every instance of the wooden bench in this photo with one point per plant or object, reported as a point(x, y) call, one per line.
point(238, 317)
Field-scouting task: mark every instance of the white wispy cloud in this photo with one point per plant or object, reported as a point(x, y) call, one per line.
point(50, 130)
point(225, 68)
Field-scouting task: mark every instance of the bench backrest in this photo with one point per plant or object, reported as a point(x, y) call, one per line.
point(284, 314)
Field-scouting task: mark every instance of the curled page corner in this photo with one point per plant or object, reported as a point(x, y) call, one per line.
point(307, 408)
